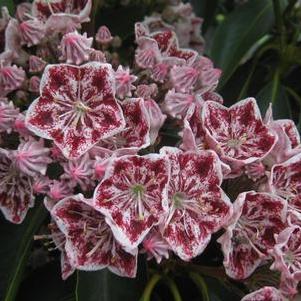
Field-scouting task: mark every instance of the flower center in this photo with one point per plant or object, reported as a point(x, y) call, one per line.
point(237, 142)
point(138, 190)
point(81, 107)
point(289, 257)
point(178, 199)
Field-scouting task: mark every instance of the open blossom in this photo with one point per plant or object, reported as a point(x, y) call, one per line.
point(32, 157)
point(8, 115)
point(266, 293)
point(16, 195)
point(155, 246)
point(76, 107)
point(197, 205)
point(124, 82)
point(90, 244)
point(237, 133)
point(76, 48)
point(249, 234)
point(132, 196)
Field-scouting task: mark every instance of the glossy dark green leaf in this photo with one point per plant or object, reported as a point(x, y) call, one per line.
point(238, 33)
point(105, 286)
point(16, 242)
point(276, 94)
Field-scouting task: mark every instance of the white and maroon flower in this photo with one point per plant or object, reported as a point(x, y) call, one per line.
point(197, 205)
point(76, 107)
point(90, 244)
point(103, 35)
point(132, 196)
point(8, 115)
point(287, 253)
point(156, 119)
point(155, 246)
point(76, 48)
point(32, 157)
point(267, 293)
point(285, 181)
point(250, 232)
point(124, 82)
point(237, 133)
point(79, 171)
point(32, 32)
point(16, 195)
point(136, 134)
point(36, 64)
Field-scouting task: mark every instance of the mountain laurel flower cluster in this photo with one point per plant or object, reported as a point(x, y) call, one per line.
point(67, 104)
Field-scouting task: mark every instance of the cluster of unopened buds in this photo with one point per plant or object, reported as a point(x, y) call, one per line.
point(67, 103)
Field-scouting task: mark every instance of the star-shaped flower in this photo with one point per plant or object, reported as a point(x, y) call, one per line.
point(250, 232)
point(132, 196)
point(76, 107)
point(197, 205)
point(237, 133)
point(90, 244)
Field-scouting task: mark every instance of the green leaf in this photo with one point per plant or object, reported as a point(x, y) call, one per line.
point(105, 286)
point(9, 4)
point(15, 249)
point(238, 33)
point(276, 94)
